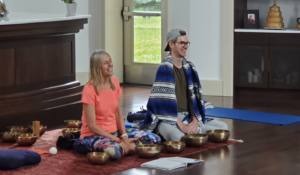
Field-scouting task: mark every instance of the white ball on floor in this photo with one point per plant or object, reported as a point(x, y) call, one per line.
point(53, 150)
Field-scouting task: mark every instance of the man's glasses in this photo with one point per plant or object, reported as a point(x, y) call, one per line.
point(184, 43)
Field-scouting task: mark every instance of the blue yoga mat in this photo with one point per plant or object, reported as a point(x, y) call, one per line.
point(253, 116)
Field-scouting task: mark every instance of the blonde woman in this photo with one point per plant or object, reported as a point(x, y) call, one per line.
point(103, 128)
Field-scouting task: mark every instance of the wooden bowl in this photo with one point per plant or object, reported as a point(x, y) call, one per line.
point(98, 158)
point(147, 151)
point(218, 136)
point(195, 140)
point(174, 147)
point(26, 139)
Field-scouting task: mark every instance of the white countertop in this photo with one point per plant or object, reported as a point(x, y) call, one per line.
point(25, 18)
point(267, 31)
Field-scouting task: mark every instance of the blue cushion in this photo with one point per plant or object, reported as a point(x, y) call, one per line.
point(136, 116)
point(80, 148)
point(11, 159)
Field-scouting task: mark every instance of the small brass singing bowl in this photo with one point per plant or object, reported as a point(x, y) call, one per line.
point(10, 136)
point(42, 129)
point(98, 158)
point(174, 147)
point(195, 140)
point(20, 129)
point(147, 151)
point(26, 139)
point(218, 136)
point(69, 131)
point(73, 123)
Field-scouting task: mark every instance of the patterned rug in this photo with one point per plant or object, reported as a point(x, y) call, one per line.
point(70, 162)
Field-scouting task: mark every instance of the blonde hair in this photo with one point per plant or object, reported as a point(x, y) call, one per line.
point(95, 70)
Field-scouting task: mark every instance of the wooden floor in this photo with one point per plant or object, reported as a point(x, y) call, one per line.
point(267, 149)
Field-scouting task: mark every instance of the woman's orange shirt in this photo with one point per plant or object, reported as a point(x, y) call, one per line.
point(106, 106)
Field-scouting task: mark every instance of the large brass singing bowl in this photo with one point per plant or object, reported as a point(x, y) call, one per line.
point(98, 158)
point(69, 131)
point(218, 136)
point(174, 147)
point(147, 151)
point(9, 137)
point(26, 139)
point(42, 129)
point(73, 123)
point(20, 129)
point(195, 140)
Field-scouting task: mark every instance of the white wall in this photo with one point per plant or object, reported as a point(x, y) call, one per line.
point(290, 11)
point(205, 30)
point(87, 40)
point(202, 21)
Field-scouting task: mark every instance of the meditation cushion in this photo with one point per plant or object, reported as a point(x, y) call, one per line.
point(11, 159)
point(136, 116)
point(80, 148)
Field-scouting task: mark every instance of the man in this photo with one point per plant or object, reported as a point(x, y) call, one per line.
point(175, 105)
point(251, 20)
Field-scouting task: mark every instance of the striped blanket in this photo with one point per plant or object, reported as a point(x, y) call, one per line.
point(162, 104)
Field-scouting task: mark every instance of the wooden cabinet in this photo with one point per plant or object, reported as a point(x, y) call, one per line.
point(267, 61)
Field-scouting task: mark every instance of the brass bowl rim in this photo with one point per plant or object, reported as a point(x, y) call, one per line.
point(96, 154)
point(16, 127)
point(31, 135)
point(136, 121)
point(218, 131)
point(71, 129)
point(173, 143)
point(148, 146)
point(72, 121)
point(197, 135)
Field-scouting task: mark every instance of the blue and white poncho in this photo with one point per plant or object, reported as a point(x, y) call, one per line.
point(162, 104)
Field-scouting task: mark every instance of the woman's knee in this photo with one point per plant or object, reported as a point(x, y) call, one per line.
point(115, 151)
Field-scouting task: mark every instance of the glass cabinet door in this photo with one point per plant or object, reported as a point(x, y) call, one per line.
point(251, 69)
point(284, 67)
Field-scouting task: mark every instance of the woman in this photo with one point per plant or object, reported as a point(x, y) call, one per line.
point(103, 128)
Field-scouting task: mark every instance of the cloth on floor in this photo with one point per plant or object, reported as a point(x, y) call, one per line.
point(11, 159)
point(40, 152)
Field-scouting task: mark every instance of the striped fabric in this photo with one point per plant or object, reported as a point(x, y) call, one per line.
point(162, 104)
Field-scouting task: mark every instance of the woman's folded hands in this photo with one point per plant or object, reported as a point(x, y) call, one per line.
point(128, 145)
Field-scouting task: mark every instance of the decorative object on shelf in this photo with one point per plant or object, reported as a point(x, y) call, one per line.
point(298, 23)
point(71, 7)
point(288, 78)
point(250, 75)
point(274, 19)
point(3, 11)
point(251, 19)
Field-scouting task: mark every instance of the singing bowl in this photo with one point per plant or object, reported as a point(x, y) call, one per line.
point(73, 123)
point(218, 136)
point(195, 140)
point(147, 151)
point(174, 147)
point(9, 137)
point(98, 158)
point(20, 129)
point(42, 129)
point(26, 139)
point(69, 131)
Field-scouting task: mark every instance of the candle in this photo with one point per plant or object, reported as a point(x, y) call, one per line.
point(250, 77)
point(256, 71)
point(254, 78)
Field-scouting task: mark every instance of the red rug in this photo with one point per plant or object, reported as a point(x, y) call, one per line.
point(70, 162)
